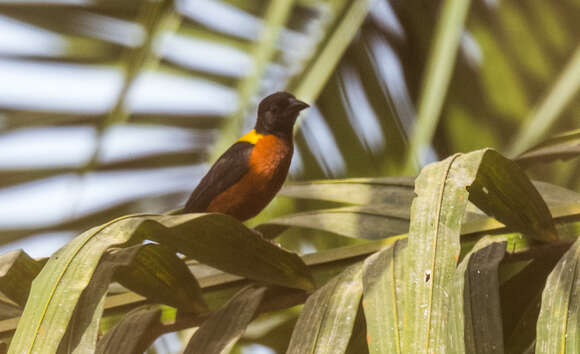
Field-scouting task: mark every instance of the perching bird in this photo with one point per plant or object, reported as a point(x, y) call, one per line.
point(250, 173)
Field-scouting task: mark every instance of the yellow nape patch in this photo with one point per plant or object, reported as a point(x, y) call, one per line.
point(252, 137)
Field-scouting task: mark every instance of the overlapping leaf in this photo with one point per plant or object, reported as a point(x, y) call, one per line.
point(362, 191)
point(17, 271)
point(557, 328)
point(520, 300)
point(492, 183)
point(161, 276)
point(133, 334)
point(224, 327)
point(218, 240)
point(475, 304)
point(326, 322)
point(370, 222)
point(562, 146)
point(383, 298)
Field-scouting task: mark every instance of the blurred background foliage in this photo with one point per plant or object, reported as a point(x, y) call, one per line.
point(115, 107)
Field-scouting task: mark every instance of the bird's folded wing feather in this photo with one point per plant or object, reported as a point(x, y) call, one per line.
point(225, 172)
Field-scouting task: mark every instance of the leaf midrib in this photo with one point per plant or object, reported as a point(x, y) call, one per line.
point(65, 269)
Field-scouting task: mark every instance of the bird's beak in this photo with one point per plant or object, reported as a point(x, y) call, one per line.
point(297, 105)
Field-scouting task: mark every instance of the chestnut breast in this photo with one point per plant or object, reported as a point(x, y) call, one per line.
point(268, 167)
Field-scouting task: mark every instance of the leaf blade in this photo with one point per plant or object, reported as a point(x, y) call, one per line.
point(545, 114)
point(70, 270)
point(439, 69)
point(224, 327)
point(443, 189)
point(17, 271)
point(327, 320)
point(362, 191)
point(158, 274)
point(561, 146)
point(383, 298)
point(557, 326)
point(475, 303)
point(368, 222)
point(133, 333)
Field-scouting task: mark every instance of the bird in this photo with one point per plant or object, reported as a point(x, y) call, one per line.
point(247, 176)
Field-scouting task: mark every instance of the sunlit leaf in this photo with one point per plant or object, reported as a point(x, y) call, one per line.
point(87, 303)
point(443, 189)
point(545, 114)
point(433, 251)
point(437, 76)
point(383, 298)
point(216, 239)
point(386, 190)
point(557, 329)
point(369, 222)
point(507, 56)
point(326, 322)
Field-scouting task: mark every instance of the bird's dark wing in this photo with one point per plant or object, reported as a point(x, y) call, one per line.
point(226, 171)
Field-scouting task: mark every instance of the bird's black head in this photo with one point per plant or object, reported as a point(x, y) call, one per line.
point(277, 114)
